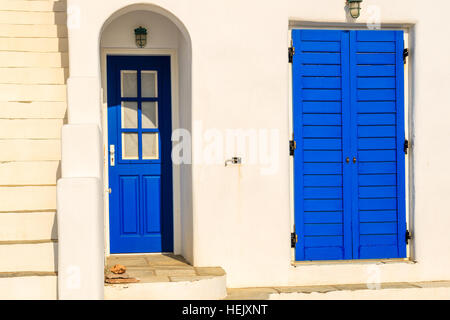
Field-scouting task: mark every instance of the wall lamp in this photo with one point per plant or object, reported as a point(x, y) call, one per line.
point(354, 7)
point(141, 37)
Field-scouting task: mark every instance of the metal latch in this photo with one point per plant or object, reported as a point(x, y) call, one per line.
point(292, 147)
point(405, 54)
point(408, 236)
point(406, 146)
point(291, 52)
point(294, 239)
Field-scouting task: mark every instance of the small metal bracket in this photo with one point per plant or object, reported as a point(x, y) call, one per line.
point(408, 236)
point(405, 54)
point(292, 147)
point(406, 146)
point(291, 52)
point(294, 239)
point(234, 160)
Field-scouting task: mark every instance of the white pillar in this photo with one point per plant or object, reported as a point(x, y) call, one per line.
point(80, 214)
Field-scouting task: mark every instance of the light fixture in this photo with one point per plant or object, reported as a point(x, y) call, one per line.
point(354, 7)
point(141, 37)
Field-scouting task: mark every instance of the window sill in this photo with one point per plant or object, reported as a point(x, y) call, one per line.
point(354, 262)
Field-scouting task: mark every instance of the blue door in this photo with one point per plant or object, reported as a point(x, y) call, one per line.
point(349, 164)
point(139, 145)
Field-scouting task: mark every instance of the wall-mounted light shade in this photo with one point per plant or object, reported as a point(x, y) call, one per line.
point(354, 7)
point(141, 37)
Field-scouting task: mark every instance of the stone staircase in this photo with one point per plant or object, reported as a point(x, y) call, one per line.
point(33, 73)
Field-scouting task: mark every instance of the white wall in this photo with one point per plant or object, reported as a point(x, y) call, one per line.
point(162, 33)
point(241, 219)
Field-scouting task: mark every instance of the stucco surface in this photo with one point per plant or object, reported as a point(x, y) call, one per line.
point(240, 79)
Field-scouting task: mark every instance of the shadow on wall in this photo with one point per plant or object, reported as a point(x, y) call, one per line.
point(60, 10)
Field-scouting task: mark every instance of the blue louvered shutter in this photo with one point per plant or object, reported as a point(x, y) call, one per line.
point(348, 103)
point(321, 97)
point(377, 100)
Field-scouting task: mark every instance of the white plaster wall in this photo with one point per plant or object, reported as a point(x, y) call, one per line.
point(162, 33)
point(240, 80)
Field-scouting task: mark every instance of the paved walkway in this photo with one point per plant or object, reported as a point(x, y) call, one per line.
point(434, 290)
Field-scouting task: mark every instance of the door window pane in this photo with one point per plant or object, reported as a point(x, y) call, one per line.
point(128, 83)
point(150, 115)
point(150, 146)
point(129, 115)
point(130, 146)
point(149, 84)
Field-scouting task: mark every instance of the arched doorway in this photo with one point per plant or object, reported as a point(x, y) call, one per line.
point(144, 206)
point(83, 197)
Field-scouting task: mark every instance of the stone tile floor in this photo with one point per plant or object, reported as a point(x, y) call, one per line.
point(162, 268)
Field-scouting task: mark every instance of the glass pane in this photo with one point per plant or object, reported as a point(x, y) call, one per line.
point(129, 83)
point(150, 146)
point(130, 145)
point(150, 115)
point(149, 84)
point(129, 115)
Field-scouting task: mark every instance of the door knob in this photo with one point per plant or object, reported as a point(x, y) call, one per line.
point(347, 160)
point(354, 160)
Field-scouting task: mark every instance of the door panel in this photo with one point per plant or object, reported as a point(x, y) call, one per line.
point(349, 127)
point(139, 134)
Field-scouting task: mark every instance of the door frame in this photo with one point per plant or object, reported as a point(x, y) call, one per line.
point(176, 182)
point(409, 129)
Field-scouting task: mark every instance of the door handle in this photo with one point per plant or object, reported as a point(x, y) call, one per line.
point(112, 155)
point(354, 159)
point(347, 160)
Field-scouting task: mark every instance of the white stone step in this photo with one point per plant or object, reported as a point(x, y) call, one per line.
point(31, 198)
point(213, 288)
point(21, 257)
point(30, 150)
point(35, 18)
point(32, 31)
point(33, 110)
point(27, 226)
point(28, 286)
point(30, 128)
point(29, 173)
point(38, 5)
point(29, 92)
point(34, 59)
point(34, 44)
point(33, 75)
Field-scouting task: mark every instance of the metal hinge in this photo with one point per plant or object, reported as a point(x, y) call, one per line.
point(291, 52)
point(294, 239)
point(406, 146)
point(408, 236)
point(292, 147)
point(405, 54)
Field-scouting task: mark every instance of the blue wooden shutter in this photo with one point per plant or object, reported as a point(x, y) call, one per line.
point(377, 99)
point(320, 94)
point(348, 103)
